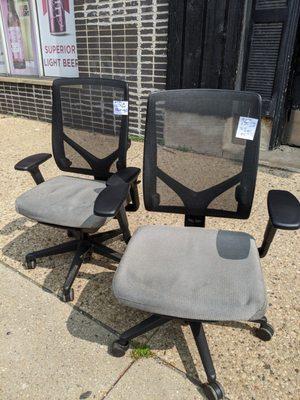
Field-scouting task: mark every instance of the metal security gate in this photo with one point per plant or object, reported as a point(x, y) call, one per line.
point(272, 37)
point(292, 131)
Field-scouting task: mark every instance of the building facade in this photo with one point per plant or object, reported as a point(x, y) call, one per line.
point(153, 45)
point(121, 39)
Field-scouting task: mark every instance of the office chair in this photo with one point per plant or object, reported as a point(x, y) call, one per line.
point(200, 159)
point(89, 137)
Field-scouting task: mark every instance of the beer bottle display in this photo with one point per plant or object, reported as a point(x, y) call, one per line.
point(15, 37)
point(57, 19)
point(23, 11)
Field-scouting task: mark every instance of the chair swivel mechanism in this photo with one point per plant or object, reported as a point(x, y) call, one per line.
point(89, 137)
point(200, 159)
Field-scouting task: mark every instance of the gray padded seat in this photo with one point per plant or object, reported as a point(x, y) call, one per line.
point(65, 201)
point(192, 273)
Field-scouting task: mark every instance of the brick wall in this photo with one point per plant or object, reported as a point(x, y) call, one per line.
point(31, 101)
point(125, 39)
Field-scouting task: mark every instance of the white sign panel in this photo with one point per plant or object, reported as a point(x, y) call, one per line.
point(246, 128)
point(120, 107)
point(58, 40)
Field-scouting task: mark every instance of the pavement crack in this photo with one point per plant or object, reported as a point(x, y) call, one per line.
point(117, 381)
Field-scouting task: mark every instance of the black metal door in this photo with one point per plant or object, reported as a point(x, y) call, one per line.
point(204, 41)
point(204, 49)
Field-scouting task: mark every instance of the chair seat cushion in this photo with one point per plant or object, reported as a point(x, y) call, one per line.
point(192, 273)
point(64, 201)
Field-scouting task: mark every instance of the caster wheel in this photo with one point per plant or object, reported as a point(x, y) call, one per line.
point(214, 391)
point(117, 349)
point(67, 296)
point(30, 263)
point(265, 332)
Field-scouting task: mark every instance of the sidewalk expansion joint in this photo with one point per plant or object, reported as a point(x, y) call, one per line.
point(117, 380)
point(73, 306)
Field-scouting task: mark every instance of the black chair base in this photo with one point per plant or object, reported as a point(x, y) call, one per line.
point(83, 245)
point(212, 389)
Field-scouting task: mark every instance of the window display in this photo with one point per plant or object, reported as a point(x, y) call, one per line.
point(58, 39)
point(47, 26)
point(3, 68)
point(19, 36)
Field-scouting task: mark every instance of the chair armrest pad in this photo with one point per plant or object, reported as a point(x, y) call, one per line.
point(284, 210)
point(32, 162)
point(111, 199)
point(128, 174)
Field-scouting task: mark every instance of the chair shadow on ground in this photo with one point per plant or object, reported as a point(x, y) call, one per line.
point(95, 291)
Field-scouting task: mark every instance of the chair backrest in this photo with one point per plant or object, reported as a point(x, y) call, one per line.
point(90, 125)
point(201, 152)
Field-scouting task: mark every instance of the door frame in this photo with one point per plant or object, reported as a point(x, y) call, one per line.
point(283, 75)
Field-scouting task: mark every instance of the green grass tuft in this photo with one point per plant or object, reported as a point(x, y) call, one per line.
point(184, 148)
point(141, 351)
point(136, 138)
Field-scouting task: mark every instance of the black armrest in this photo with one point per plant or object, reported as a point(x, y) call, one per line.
point(284, 210)
point(128, 174)
point(31, 164)
point(284, 213)
point(111, 199)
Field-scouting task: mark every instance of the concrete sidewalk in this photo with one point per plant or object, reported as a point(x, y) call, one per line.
point(41, 358)
point(248, 368)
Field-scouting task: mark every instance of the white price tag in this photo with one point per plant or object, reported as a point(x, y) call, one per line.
point(246, 128)
point(120, 107)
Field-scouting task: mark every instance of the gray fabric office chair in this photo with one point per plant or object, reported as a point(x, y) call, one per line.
point(89, 137)
point(200, 159)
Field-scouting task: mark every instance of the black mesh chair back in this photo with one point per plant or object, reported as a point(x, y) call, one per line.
point(201, 152)
point(89, 136)
point(90, 125)
point(201, 157)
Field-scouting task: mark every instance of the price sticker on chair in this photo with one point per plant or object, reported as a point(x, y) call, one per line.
point(120, 107)
point(246, 128)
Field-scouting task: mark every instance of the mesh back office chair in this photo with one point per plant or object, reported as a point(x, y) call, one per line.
point(87, 138)
point(197, 162)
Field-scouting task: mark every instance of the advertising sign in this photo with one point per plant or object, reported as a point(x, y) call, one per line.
point(19, 36)
point(58, 40)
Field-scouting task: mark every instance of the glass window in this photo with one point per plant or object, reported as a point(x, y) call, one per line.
point(3, 68)
point(58, 39)
point(39, 38)
point(19, 36)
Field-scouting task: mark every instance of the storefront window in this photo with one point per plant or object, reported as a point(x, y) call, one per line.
point(58, 39)
point(3, 68)
point(19, 37)
point(52, 31)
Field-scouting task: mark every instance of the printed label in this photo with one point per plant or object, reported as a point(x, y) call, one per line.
point(246, 128)
point(120, 107)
